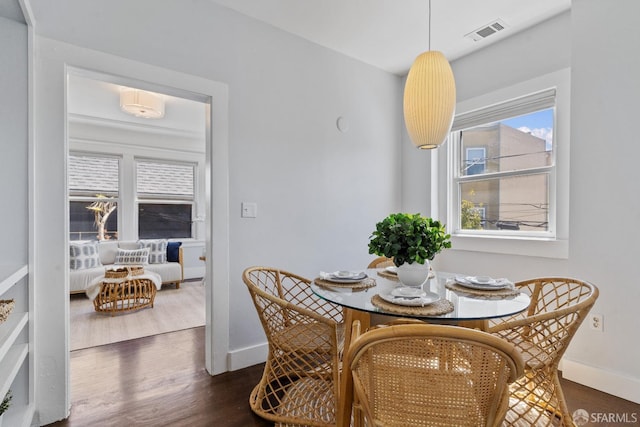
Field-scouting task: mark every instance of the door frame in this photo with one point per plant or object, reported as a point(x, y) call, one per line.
point(54, 61)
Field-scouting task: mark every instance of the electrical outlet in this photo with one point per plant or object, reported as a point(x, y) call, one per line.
point(596, 322)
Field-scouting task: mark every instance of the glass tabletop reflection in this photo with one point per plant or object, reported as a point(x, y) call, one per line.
point(466, 307)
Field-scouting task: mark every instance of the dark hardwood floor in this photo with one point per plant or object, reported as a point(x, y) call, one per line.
point(161, 381)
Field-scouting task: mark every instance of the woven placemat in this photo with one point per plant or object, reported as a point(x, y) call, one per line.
point(369, 282)
point(442, 306)
point(481, 293)
point(393, 276)
point(388, 275)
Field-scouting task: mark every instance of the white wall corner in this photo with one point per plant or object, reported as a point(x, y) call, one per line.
point(247, 356)
point(614, 383)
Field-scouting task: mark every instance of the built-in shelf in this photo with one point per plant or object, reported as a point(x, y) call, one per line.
point(13, 354)
point(10, 366)
point(19, 415)
point(9, 331)
point(10, 275)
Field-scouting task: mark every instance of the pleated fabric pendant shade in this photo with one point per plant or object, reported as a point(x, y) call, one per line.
point(429, 100)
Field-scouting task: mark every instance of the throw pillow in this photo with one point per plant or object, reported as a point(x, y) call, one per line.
point(157, 250)
point(132, 257)
point(83, 255)
point(173, 251)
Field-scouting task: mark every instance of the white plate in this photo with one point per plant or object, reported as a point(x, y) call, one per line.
point(344, 274)
point(392, 269)
point(427, 298)
point(481, 280)
point(495, 285)
point(405, 291)
point(343, 277)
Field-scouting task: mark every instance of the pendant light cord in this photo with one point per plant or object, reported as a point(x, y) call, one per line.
point(429, 39)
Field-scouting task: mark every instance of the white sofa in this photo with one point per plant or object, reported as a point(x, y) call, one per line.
point(79, 280)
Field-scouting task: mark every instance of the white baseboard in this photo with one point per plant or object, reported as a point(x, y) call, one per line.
point(248, 356)
point(610, 382)
point(614, 383)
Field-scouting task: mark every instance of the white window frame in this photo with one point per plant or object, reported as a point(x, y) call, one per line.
point(127, 205)
point(553, 244)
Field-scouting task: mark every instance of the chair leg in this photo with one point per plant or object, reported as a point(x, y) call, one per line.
point(563, 409)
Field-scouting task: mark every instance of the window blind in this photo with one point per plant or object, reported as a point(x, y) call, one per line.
point(505, 110)
point(164, 180)
point(91, 175)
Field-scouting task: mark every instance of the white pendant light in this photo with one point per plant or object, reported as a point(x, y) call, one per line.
point(141, 103)
point(429, 98)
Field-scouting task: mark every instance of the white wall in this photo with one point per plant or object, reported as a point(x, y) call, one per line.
point(319, 191)
point(13, 141)
point(14, 178)
point(604, 209)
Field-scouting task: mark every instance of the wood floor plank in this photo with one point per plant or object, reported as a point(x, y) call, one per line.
point(161, 381)
point(157, 381)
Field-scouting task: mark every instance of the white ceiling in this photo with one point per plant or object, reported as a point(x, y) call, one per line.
point(90, 100)
point(389, 34)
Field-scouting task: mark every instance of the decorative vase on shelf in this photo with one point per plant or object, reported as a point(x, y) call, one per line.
point(414, 274)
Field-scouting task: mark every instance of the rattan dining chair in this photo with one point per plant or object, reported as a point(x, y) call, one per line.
point(300, 382)
point(427, 375)
point(542, 334)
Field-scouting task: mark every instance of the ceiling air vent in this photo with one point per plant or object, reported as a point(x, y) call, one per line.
point(487, 30)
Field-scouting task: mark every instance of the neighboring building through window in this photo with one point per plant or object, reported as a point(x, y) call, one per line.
point(504, 168)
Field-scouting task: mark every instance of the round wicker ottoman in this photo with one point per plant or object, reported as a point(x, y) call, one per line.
point(122, 291)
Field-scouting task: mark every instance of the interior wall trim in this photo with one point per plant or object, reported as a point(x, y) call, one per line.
point(614, 383)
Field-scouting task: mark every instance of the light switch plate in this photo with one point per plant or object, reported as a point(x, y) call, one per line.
point(249, 210)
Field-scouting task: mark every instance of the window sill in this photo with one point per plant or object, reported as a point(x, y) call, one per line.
point(546, 248)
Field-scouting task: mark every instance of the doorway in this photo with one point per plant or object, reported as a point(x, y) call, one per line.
point(136, 172)
point(48, 163)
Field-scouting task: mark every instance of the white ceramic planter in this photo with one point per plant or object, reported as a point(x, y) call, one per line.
point(413, 274)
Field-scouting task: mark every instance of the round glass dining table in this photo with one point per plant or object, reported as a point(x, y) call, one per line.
point(468, 310)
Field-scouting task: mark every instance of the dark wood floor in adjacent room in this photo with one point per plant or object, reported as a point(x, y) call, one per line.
point(161, 381)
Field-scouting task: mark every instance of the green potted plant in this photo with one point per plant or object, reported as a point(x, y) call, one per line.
point(412, 240)
point(6, 402)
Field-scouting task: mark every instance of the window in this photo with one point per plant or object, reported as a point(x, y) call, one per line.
point(475, 160)
point(504, 164)
point(93, 197)
point(517, 219)
point(503, 169)
point(165, 198)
